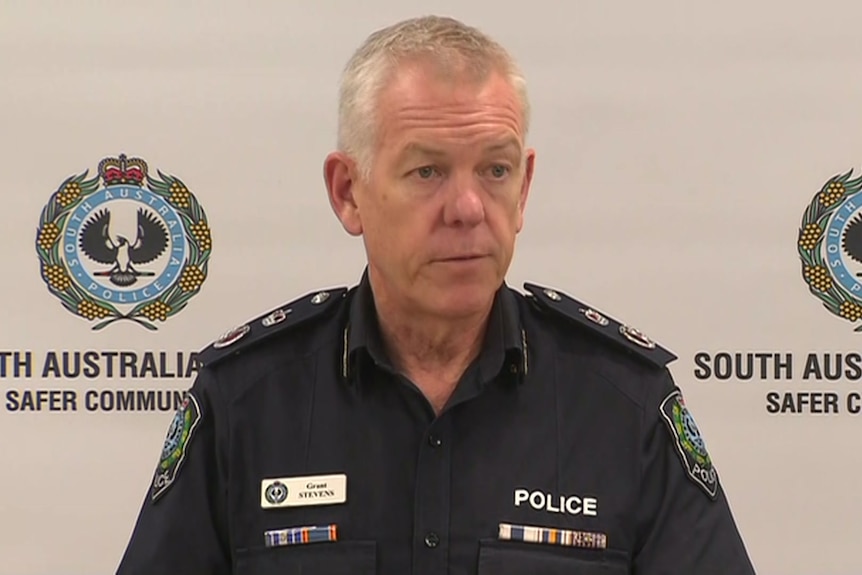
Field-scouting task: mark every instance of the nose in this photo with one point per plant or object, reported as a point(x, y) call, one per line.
point(464, 205)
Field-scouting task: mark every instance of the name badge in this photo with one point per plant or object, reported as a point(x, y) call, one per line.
point(303, 491)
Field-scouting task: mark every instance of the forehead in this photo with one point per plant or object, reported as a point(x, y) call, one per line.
point(422, 100)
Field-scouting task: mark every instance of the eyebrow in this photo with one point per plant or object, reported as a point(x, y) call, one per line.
point(512, 142)
point(415, 148)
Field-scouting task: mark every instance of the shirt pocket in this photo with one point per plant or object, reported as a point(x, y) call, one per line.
point(517, 558)
point(326, 558)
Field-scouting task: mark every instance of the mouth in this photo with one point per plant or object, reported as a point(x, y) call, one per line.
point(464, 258)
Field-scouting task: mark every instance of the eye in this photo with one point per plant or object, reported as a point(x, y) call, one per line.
point(498, 171)
point(425, 172)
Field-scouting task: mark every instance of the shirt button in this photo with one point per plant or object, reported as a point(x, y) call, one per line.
point(432, 540)
point(434, 441)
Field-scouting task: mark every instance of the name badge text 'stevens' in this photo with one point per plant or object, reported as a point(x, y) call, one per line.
point(303, 491)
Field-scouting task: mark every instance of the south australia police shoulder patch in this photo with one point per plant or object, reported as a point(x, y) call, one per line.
point(175, 449)
point(689, 443)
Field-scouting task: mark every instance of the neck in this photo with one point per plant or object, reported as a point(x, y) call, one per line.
point(432, 351)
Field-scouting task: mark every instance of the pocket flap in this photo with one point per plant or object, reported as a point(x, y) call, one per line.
point(325, 558)
point(520, 558)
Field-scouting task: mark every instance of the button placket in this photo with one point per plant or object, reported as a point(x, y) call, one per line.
point(431, 506)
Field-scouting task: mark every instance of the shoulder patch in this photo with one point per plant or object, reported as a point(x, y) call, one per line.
point(289, 316)
point(689, 443)
point(174, 450)
point(622, 335)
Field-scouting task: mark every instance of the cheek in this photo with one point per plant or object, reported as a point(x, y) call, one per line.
point(396, 231)
point(505, 212)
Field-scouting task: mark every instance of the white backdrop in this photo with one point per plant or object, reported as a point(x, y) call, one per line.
point(678, 148)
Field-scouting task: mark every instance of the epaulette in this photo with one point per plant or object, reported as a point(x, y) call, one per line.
point(617, 333)
point(286, 317)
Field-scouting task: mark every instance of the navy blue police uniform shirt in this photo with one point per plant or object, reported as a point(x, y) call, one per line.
point(566, 448)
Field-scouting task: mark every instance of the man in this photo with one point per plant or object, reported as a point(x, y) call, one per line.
point(432, 420)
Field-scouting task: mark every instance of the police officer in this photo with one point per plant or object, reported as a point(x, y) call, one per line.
point(431, 419)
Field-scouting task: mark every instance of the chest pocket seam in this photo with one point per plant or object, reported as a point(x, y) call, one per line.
point(324, 558)
point(520, 558)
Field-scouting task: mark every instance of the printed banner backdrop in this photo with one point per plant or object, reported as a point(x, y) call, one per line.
point(697, 177)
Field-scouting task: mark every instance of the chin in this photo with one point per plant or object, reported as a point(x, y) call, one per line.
point(461, 297)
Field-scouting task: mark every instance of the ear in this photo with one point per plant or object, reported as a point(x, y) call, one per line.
point(340, 175)
point(529, 166)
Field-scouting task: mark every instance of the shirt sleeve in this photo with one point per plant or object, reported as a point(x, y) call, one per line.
point(685, 522)
point(182, 525)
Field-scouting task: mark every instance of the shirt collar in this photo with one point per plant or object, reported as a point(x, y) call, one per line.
point(504, 348)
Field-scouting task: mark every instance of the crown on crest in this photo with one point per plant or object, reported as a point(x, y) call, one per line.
point(122, 170)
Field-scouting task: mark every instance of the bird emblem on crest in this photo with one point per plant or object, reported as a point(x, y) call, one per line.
point(98, 244)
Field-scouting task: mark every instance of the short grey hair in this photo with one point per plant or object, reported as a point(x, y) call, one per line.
point(447, 41)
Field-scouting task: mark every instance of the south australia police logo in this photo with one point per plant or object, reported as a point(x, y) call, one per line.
point(276, 492)
point(176, 444)
point(830, 247)
point(689, 443)
point(124, 244)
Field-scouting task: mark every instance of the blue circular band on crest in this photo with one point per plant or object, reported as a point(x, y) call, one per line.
point(151, 288)
point(834, 255)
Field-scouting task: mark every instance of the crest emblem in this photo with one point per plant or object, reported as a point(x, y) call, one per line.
point(276, 317)
point(177, 440)
point(830, 247)
point(689, 443)
point(231, 337)
point(124, 244)
point(637, 336)
point(595, 316)
point(276, 492)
